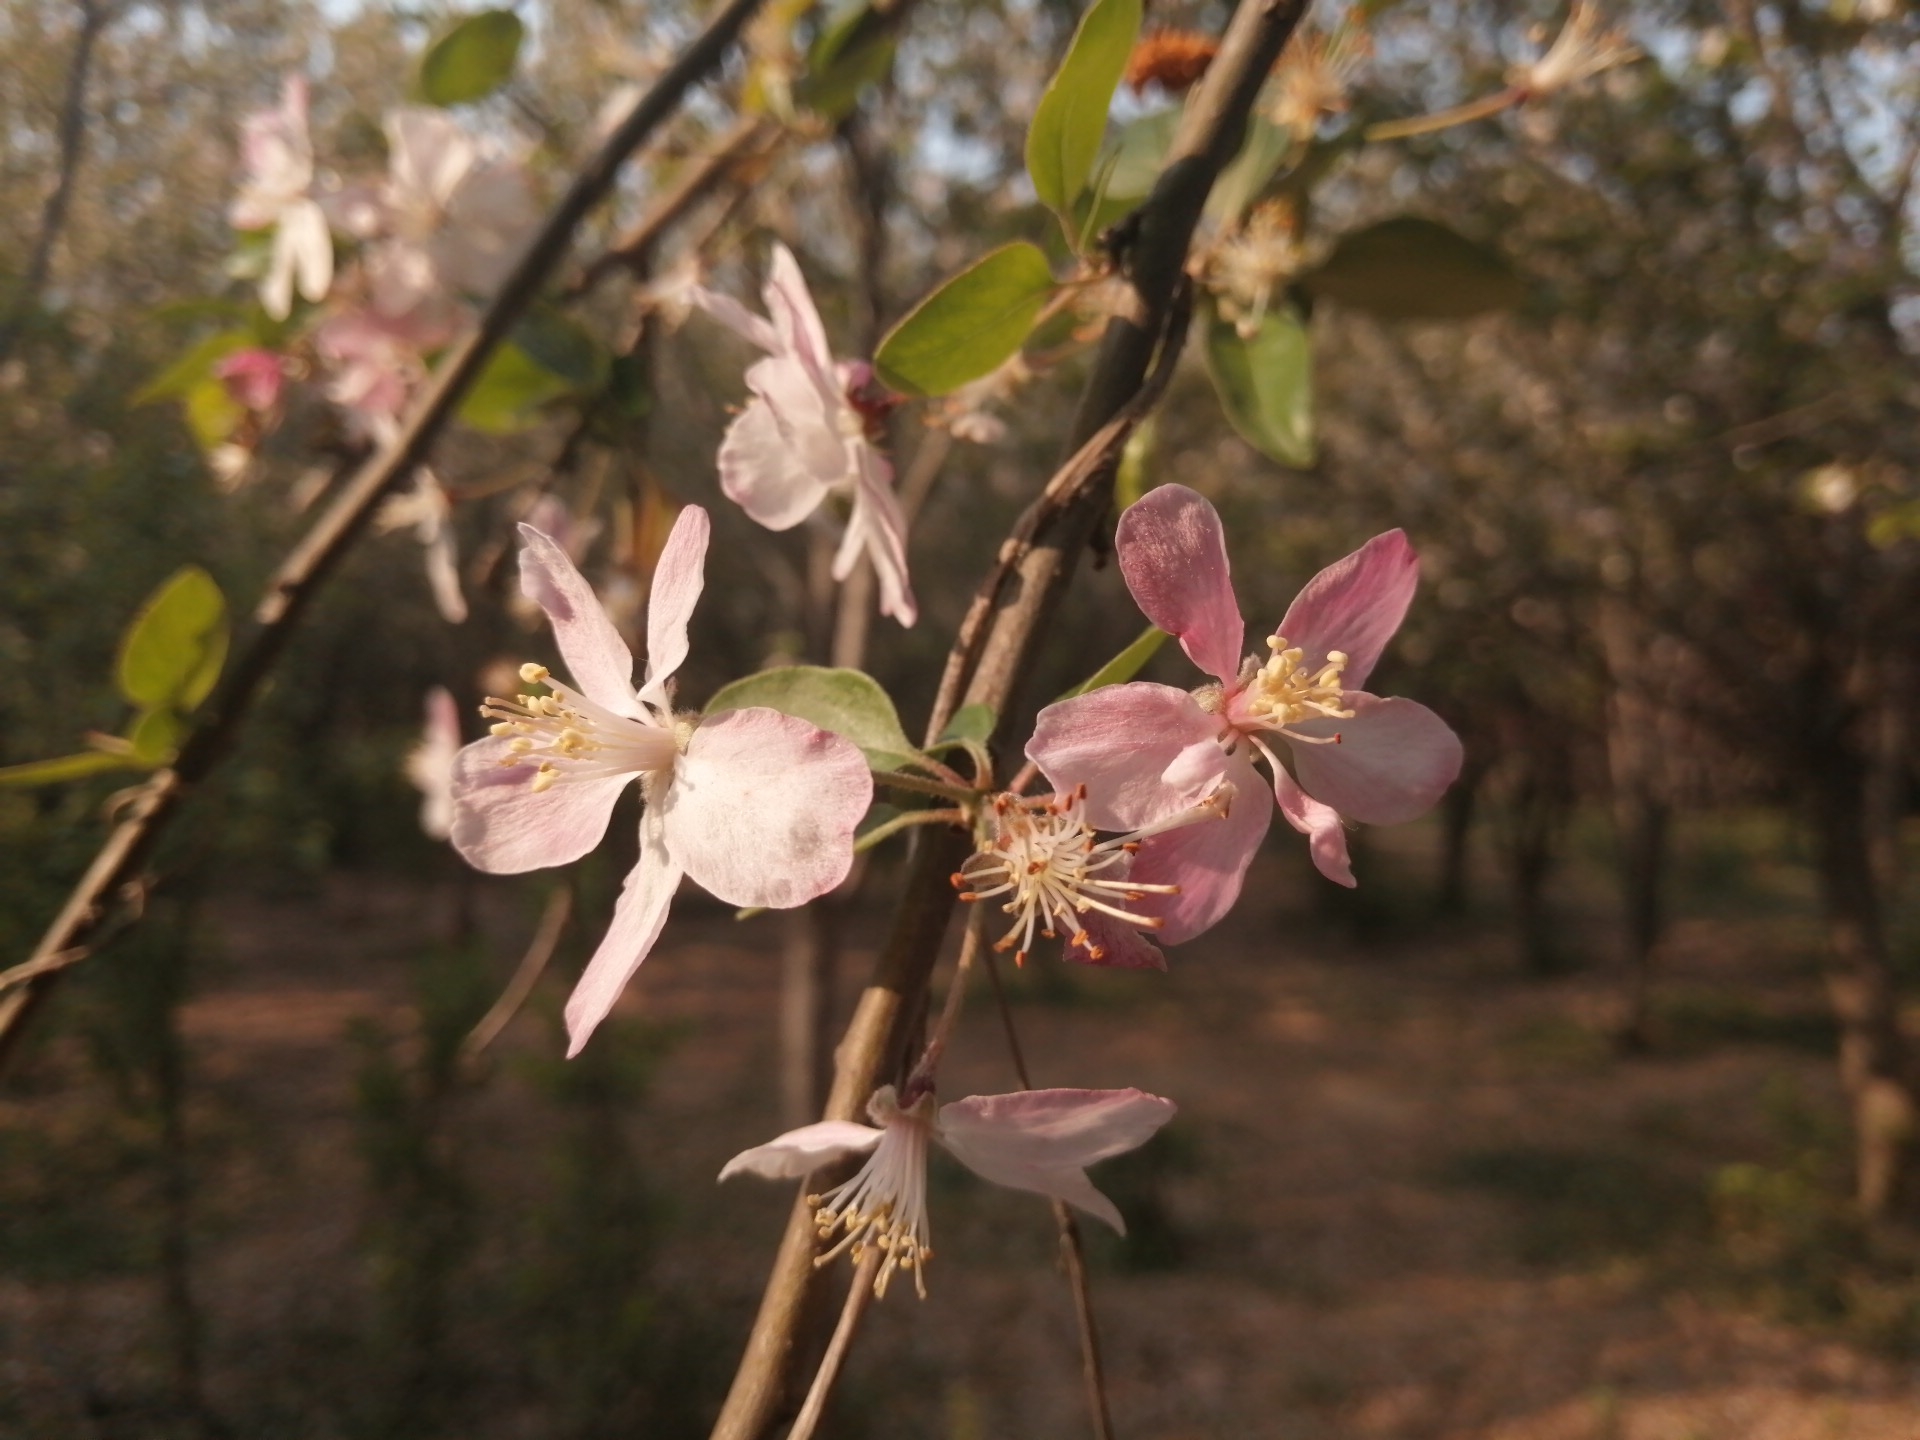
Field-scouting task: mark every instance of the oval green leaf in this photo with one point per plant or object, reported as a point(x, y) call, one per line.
point(155, 738)
point(1071, 118)
point(63, 768)
point(172, 653)
point(970, 326)
point(473, 59)
point(1124, 666)
point(850, 703)
point(1413, 269)
point(1265, 382)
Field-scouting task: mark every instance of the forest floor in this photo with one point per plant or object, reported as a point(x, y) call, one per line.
point(1413, 1193)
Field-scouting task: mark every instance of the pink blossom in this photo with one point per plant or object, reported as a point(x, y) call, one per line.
point(759, 808)
point(276, 155)
point(805, 434)
point(1038, 1140)
point(430, 763)
point(253, 377)
point(1146, 750)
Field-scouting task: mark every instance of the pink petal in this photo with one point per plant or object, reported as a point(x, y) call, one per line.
point(1143, 752)
point(1208, 860)
point(678, 577)
point(877, 524)
point(1043, 1139)
point(763, 807)
point(598, 660)
point(736, 317)
point(1321, 824)
point(1173, 554)
point(1394, 761)
point(1122, 946)
point(801, 1152)
point(790, 304)
point(807, 419)
point(502, 826)
point(1355, 605)
point(760, 472)
point(637, 920)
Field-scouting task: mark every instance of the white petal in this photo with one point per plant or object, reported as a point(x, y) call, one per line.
point(678, 577)
point(637, 921)
point(761, 473)
point(801, 1152)
point(598, 661)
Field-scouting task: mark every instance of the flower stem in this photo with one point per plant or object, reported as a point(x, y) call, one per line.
point(907, 821)
point(970, 947)
point(920, 785)
point(859, 1296)
point(1445, 119)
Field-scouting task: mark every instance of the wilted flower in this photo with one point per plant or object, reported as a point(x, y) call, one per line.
point(759, 808)
point(1247, 267)
point(805, 434)
point(1581, 50)
point(1058, 878)
point(1039, 1140)
point(1172, 59)
point(1313, 75)
point(430, 763)
point(276, 154)
point(1144, 750)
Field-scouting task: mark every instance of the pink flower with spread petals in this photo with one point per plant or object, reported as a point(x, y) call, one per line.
point(1146, 750)
point(759, 808)
point(1038, 1140)
point(805, 434)
point(277, 156)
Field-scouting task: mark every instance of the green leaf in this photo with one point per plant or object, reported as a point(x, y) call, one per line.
point(172, 653)
point(1071, 118)
point(847, 702)
point(472, 60)
point(973, 722)
point(1124, 666)
point(1132, 480)
point(1413, 269)
point(510, 391)
point(212, 412)
point(1243, 179)
point(1265, 383)
point(853, 52)
point(970, 326)
point(179, 379)
point(65, 767)
point(155, 737)
point(1129, 165)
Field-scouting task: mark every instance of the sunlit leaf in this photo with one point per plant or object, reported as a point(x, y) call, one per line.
point(63, 768)
point(1244, 178)
point(969, 326)
point(473, 59)
point(178, 379)
point(510, 391)
point(854, 51)
point(973, 722)
point(155, 737)
point(1413, 269)
point(212, 412)
point(847, 702)
point(1124, 666)
point(1071, 118)
point(172, 653)
point(1265, 382)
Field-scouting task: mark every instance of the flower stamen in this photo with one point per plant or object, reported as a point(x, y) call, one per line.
point(1283, 692)
point(566, 736)
point(885, 1204)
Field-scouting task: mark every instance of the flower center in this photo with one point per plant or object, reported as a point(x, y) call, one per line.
point(885, 1204)
point(1045, 860)
point(1284, 692)
point(566, 736)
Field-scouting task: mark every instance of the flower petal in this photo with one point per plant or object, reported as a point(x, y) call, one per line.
point(1143, 752)
point(1395, 759)
point(1122, 946)
point(1355, 605)
point(736, 317)
point(1173, 554)
point(1208, 860)
point(1042, 1139)
point(807, 421)
point(761, 473)
point(678, 577)
point(303, 228)
point(797, 321)
point(801, 1152)
point(1321, 824)
point(637, 920)
point(877, 524)
point(502, 826)
point(763, 807)
point(598, 660)
point(443, 575)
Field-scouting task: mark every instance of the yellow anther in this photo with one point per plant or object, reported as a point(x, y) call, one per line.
point(532, 674)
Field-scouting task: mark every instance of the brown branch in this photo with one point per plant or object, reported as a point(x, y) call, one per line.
point(305, 569)
point(1028, 585)
point(94, 18)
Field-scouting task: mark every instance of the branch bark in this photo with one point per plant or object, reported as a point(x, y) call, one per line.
point(1026, 585)
point(306, 568)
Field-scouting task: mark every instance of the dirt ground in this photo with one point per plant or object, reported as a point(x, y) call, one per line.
point(1412, 1193)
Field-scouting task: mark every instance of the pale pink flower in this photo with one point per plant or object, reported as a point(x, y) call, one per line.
point(759, 808)
point(253, 377)
point(373, 363)
point(1038, 1140)
point(805, 434)
point(1146, 750)
point(429, 510)
point(1057, 878)
point(276, 155)
point(430, 763)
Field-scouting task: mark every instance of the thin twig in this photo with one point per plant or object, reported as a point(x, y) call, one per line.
point(553, 924)
point(315, 556)
point(859, 1297)
point(1073, 1255)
